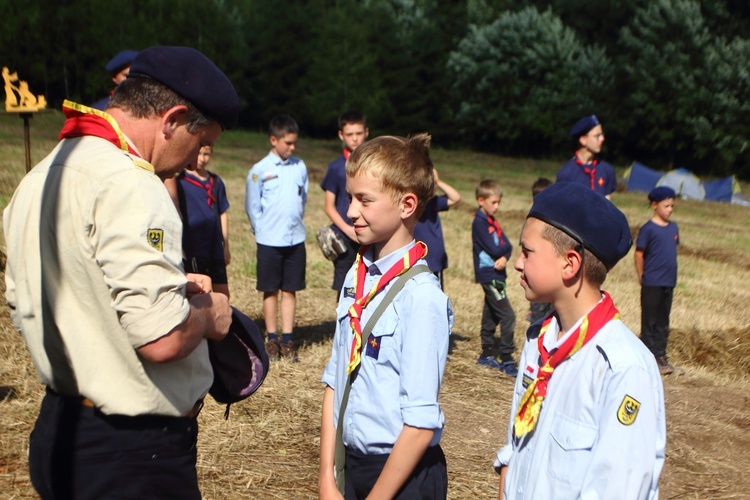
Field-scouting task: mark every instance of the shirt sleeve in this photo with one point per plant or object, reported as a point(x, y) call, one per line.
point(221, 194)
point(306, 186)
point(441, 203)
point(425, 320)
point(630, 429)
point(253, 198)
point(502, 457)
point(641, 241)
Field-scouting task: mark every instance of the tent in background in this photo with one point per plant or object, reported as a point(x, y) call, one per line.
point(641, 178)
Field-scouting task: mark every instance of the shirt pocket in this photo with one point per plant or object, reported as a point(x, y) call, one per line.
point(270, 187)
point(570, 449)
point(342, 319)
point(385, 348)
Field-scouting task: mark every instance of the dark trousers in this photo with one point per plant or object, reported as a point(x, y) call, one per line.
point(497, 310)
point(656, 305)
point(428, 480)
point(76, 452)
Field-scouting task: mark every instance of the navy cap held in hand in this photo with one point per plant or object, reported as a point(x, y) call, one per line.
point(122, 59)
point(192, 75)
point(583, 125)
point(587, 217)
point(661, 193)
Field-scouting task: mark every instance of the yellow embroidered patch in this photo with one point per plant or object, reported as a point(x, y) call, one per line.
point(156, 238)
point(255, 177)
point(628, 410)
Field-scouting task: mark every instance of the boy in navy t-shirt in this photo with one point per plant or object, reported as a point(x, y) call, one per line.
point(352, 132)
point(492, 250)
point(430, 230)
point(656, 265)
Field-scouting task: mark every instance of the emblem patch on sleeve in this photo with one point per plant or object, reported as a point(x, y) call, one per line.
point(156, 238)
point(255, 177)
point(628, 410)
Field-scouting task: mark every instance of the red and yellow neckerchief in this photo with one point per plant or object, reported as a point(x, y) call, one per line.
point(531, 403)
point(361, 299)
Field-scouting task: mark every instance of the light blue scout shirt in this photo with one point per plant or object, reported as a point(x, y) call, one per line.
point(275, 198)
point(601, 432)
point(399, 380)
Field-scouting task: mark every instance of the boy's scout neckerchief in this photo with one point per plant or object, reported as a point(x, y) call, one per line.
point(531, 403)
point(361, 300)
point(209, 187)
point(82, 120)
point(589, 169)
point(494, 226)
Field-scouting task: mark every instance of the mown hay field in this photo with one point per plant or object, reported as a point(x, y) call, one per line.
point(269, 446)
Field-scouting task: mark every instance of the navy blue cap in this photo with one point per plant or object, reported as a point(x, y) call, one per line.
point(192, 75)
point(122, 59)
point(587, 217)
point(661, 193)
point(583, 125)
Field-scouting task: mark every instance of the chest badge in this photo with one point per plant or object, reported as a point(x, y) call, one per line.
point(156, 239)
point(628, 410)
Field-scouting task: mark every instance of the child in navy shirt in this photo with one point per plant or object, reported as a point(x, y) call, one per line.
point(656, 265)
point(429, 229)
point(353, 131)
point(492, 250)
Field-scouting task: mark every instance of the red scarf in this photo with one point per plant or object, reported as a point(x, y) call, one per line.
point(590, 170)
point(82, 121)
point(361, 299)
point(494, 226)
point(209, 187)
point(530, 405)
point(346, 154)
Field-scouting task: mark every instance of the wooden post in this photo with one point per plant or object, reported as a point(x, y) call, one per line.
point(27, 138)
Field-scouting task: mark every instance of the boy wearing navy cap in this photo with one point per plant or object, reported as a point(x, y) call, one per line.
point(353, 132)
point(587, 418)
point(491, 250)
point(118, 68)
point(276, 194)
point(390, 425)
point(95, 283)
point(656, 266)
point(585, 167)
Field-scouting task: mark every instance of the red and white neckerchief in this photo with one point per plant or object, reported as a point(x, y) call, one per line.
point(208, 186)
point(83, 120)
point(418, 251)
point(589, 168)
point(530, 405)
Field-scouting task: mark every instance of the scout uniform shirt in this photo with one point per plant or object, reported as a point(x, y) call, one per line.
point(402, 362)
point(276, 193)
point(98, 240)
point(601, 432)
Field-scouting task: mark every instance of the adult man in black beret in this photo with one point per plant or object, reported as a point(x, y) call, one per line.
point(586, 167)
point(95, 284)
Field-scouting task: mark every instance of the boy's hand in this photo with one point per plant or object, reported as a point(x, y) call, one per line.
point(500, 263)
point(327, 489)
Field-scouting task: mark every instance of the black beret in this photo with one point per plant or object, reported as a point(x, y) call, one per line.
point(661, 193)
point(194, 77)
point(587, 217)
point(583, 125)
point(122, 59)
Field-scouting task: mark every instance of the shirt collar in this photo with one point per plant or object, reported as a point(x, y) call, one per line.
point(278, 161)
point(384, 263)
point(550, 338)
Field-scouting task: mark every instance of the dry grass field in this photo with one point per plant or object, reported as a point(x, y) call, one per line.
point(268, 447)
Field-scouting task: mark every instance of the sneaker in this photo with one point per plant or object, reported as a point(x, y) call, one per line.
point(289, 351)
point(664, 367)
point(272, 348)
point(509, 367)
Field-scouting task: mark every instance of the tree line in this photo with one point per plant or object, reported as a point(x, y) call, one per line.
point(670, 79)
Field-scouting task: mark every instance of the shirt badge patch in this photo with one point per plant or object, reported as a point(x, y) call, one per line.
point(373, 347)
point(349, 292)
point(255, 177)
point(601, 181)
point(528, 376)
point(628, 410)
point(156, 238)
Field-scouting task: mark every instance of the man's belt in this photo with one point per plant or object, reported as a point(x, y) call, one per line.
point(193, 413)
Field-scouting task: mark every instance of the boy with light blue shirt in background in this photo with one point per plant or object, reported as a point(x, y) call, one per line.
point(492, 250)
point(276, 194)
point(391, 423)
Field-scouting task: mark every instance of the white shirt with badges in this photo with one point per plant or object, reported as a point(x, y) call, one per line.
point(601, 431)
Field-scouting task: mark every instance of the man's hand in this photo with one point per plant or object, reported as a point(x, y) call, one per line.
point(198, 284)
point(215, 306)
